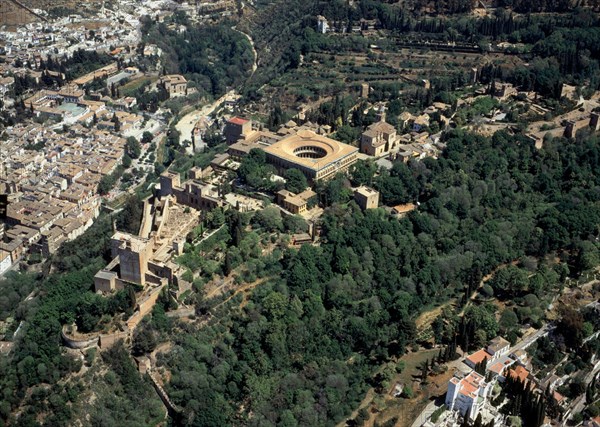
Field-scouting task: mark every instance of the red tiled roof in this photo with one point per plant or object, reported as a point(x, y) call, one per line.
point(519, 372)
point(497, 367)
point(238, 121)
point(404, 208)
point(478, 356)
point(468, 389)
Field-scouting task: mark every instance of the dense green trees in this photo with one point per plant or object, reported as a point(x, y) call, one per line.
point(124, 397)
point(511, 281)
point(564, 47)
point(255, 171)
point(484, 203)
point(63, 297)
point(81, 62)
point(524, 402)
point(131, 216)
point(133, 147)
point(215, 57)
point(295, 181)
point(397, 185)
point(362, 172)
point(107, 182)
point(269, 218)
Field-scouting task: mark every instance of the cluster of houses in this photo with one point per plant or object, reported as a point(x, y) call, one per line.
point(52, 181)
point(470, 390)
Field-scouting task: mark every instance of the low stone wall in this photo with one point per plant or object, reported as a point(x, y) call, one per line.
point(144, 307)
point(161, 270)
point(181, 312)
point(146, 224)
point(108, 340)
point(84, 341)
point(161, 220)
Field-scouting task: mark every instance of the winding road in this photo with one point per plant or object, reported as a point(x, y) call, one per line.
point(255, 63)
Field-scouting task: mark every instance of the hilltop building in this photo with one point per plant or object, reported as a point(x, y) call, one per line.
point(175, 84)
point(237, 129)
point(379, 139)
point(401, 211)
point(467, 394)
point(134, 253)
point(322, 24)
point(497, 348)
point(364, 90)
point(316, 156)
point(366, 197)
point(131, 255)
point(297, 204)
point(192, 193)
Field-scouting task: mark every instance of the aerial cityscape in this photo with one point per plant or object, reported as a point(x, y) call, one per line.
point(380, 213)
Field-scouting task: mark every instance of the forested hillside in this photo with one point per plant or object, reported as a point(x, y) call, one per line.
point(312, 328)
point(39, 376)
point(305, 348)
point(559, 47)
point(213, 57)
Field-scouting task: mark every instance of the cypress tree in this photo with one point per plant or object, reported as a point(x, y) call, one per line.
point(227, 266)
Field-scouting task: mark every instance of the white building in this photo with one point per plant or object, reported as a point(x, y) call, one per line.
point(496, 349)
point(467, 394)
point(322, 25)
point(5, 262)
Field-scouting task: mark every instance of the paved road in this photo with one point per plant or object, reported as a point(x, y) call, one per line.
point(580, 402)
point(429, 409)
point(523, 344)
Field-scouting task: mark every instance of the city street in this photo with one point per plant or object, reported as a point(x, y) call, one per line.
point(525, 343)
point(579, 404)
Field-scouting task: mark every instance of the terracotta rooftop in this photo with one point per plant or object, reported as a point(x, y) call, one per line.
point(238, 121)
point(558, 397)
point(404, 208)
point(382, 127)
point(471, 384)
point(468, 390)
point(519, 372)
point(497, 367)
point(478, 356)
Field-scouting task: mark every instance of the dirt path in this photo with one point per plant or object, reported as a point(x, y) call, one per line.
point(255, 63)
point(245, 288)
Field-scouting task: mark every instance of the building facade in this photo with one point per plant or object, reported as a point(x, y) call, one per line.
point(366, 197)
point(379, 139)
point(237, 129)
point(467, 394)
point(316, 156)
